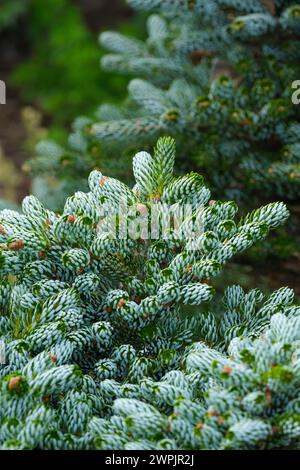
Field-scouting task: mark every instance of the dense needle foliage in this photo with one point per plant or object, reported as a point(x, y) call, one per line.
point(115, 341)
point(113, 334)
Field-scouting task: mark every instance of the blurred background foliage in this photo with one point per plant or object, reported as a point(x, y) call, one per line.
point(62, 74)
point(10, 11)
point(50, 62)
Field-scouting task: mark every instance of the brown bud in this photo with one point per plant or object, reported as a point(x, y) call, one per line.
point(16, 245)
point(221, 420)
point(121, 303)
point(45, 399)
point(167, 305)
point(71, 218)
point(47, 222)
point(211, 202)
point(41, 254)
point(53, 358)
point(227, 370)
point(14, 383)
point(142, 208)
point(188, 269)
point(102, 180)
point(108, 309)
point(158, 197)
point(2, 230)
point(199, 426)
point(212, 413)
point(198, 55)
point(268, 395)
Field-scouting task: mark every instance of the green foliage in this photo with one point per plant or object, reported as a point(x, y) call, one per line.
point(115, 342)
point(62, 75)
point(118, 340)
point(229, 93)
point(10, 11)
point(217, 75)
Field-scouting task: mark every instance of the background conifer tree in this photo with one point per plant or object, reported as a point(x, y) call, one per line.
point(218, 76)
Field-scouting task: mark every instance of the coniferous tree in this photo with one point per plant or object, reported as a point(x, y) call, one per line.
point(113, 341)
point(218, 76)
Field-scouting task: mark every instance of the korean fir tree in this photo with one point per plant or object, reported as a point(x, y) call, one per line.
point(230, 88)
point(245, 397)
point(111, 336)
point(218, 76)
